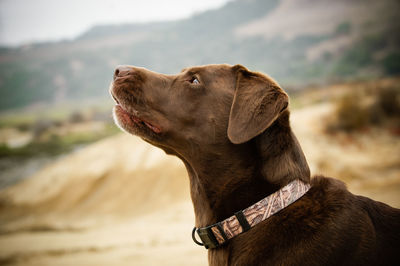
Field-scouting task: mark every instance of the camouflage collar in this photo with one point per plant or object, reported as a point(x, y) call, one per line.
point(217, 234)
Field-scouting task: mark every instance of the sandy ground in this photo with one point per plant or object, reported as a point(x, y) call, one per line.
point(122, 202)
point(160, 238)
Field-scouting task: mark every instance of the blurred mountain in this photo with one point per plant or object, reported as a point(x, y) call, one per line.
point(298, 42)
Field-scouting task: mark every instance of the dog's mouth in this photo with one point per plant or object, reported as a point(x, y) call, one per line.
point(127, 118)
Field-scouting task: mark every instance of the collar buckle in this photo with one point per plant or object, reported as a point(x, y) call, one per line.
point(207, 237)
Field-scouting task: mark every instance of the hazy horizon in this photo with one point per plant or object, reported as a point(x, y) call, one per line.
point(25, 21)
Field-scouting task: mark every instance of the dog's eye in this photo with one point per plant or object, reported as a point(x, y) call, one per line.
point(195, 81)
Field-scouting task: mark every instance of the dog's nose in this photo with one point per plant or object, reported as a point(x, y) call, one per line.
point(121, 71)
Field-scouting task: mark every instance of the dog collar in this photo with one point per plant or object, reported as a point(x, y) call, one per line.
point(217, 234)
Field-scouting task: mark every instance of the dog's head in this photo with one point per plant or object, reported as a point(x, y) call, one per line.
point(206, 105)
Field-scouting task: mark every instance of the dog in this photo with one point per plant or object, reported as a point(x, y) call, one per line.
point(254, 200)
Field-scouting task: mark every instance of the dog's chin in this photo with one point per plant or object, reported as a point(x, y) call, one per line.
point(134, 125)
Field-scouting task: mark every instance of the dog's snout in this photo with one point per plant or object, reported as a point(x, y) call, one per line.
point(121, 71)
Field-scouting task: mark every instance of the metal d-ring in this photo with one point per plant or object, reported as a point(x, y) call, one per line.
point(194, 237)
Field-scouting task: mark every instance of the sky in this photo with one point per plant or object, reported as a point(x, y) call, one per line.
point(25, 21)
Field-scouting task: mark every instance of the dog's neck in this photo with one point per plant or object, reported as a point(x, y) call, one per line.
point(234, 177)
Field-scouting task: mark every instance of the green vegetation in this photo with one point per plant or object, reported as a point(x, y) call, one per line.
point(343, 28)
point(391, 63)
point(360, 55)
point(56, 144)
point(18, 121)
point(56, 130)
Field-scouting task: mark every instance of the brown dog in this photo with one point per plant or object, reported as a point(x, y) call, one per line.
point(230, 127)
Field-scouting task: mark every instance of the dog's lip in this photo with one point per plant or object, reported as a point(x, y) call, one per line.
point(132, 113)
point(115, 98)
point(112, 93)
point(134, 117)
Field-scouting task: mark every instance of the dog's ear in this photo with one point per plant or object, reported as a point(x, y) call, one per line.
point(257, 103)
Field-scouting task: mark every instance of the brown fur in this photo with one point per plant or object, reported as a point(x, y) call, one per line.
point(233, 134)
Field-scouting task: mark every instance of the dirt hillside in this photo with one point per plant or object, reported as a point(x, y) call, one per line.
point(118, 177)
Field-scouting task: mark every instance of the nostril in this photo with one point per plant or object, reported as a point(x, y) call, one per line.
point(116, 73)
point(121, 71)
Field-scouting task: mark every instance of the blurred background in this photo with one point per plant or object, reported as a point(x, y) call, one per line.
point(74, 190)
